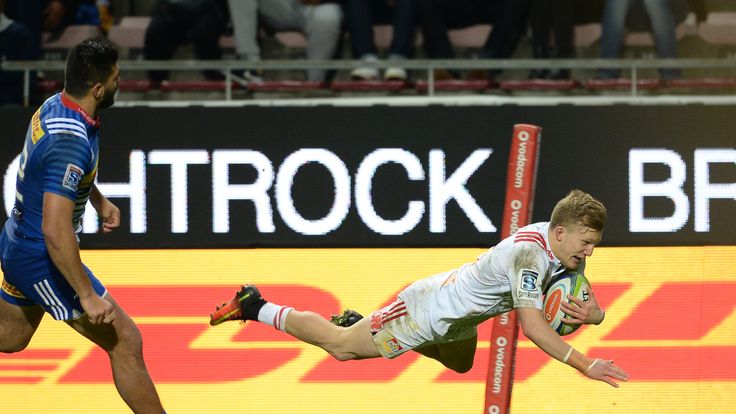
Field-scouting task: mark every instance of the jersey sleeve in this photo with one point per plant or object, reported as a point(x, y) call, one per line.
point(65, 161)
point(528, 267)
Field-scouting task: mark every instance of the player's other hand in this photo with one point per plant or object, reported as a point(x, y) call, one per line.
point(110, 215)
point(582, 312)
point(606, 371)
point(98, 309)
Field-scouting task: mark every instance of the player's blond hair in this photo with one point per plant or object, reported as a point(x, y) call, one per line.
point(579, 208)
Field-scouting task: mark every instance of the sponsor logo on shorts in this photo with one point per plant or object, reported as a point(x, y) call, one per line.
point(72, 177)
point(392, 346)
point(12, 290)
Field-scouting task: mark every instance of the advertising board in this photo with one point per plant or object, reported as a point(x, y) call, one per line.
point(199, 177)
point(670, 323)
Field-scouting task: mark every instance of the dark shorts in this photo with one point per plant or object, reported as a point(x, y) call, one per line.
point(31, 278)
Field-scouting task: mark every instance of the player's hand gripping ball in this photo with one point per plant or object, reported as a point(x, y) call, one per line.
point(572, 283)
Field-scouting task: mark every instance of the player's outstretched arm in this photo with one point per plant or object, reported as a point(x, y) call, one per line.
point(606, 371)
point(580, 312)
point(538, 331)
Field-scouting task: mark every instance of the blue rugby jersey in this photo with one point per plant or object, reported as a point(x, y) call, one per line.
point(60, 156)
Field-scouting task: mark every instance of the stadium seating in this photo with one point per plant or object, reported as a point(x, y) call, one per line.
point(703, 83)
point(539, 85)
point(49, 86)
point(130, 32)
point(71, 36)
point(470, 37)
point(141, 85)
point(195, 86)
point(286, 86)
point(456, 85)
point(719, 28)
point(644, 39)
point(587, 34)
point(621, 83)
point(369, 85)
point(292, 40)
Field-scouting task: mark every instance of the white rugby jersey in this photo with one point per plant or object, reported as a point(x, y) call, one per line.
point(513, 274)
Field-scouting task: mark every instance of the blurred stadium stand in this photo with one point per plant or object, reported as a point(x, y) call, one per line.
point(130, 32)
point(711, 40)
point(719, 28)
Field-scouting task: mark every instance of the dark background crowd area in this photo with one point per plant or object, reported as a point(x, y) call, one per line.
point(367, 31)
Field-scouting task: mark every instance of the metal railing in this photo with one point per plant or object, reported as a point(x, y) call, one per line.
point(634, 66)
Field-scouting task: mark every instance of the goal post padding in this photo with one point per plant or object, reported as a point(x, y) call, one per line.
point(517, 212)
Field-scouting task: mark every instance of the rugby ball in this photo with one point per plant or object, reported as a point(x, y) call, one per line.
point(572, 283)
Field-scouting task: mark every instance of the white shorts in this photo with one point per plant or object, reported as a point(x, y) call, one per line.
point(395, 331)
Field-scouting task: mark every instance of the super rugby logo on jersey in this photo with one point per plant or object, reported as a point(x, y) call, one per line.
point(528, 285)
point(72, 177)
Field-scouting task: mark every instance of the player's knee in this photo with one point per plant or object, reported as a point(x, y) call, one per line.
point(344, 346)
point(127, 342)
point(461, 366)
point(342, 356)
point(339, 349)
point(13, 345)
point(12, 348)
point(133, 340)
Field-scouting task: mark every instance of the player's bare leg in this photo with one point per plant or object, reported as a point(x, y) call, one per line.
point(17, 325)
point(123, 343)
point(456, 355)
point(354, 342)
point(342, 342)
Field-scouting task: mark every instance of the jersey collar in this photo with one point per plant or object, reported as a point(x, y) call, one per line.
point(552, 258)
point(93, 122)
